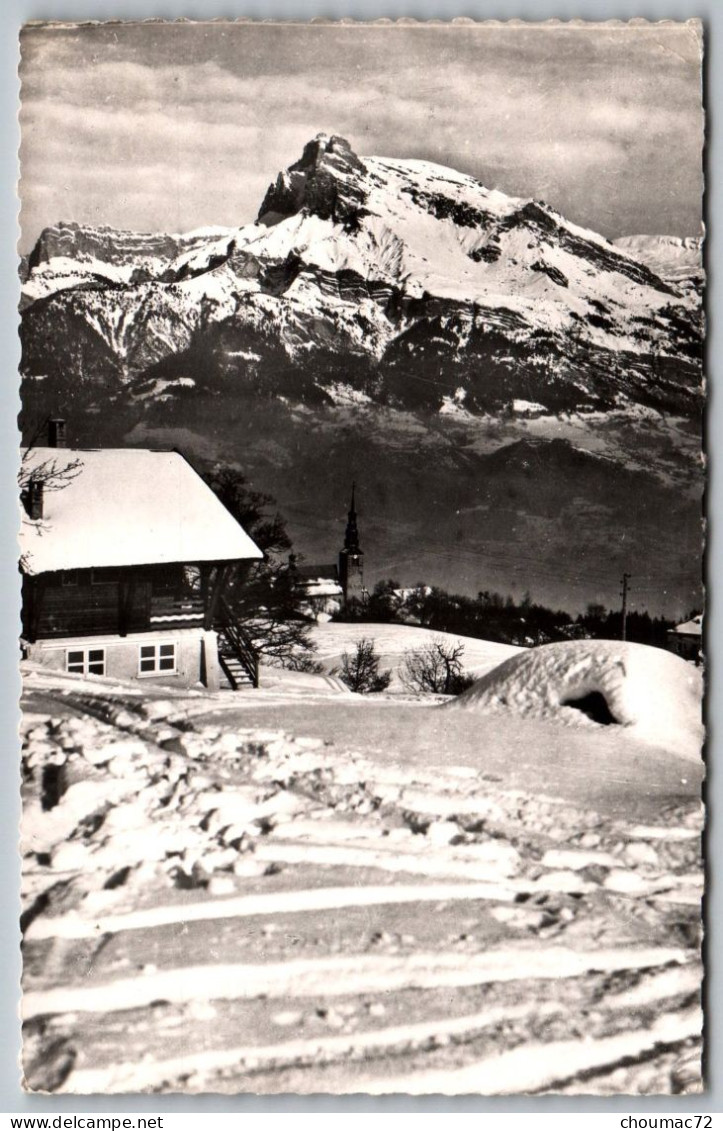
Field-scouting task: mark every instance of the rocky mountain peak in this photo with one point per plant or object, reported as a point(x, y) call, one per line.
point(324, 148)
point(325, 181)
point(104, 245)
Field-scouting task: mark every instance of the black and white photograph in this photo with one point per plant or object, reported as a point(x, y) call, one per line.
point(361, 536)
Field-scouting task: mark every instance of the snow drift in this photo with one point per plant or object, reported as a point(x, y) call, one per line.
point(597, 682)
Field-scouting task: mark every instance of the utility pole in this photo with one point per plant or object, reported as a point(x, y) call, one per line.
point(624, 595)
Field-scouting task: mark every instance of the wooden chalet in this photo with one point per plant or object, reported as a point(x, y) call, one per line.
point(686, 639)
point(125, 556)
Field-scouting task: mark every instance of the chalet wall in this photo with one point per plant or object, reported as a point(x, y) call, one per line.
point(196, 655)
point(95, 602)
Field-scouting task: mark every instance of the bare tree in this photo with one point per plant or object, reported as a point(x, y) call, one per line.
point(52, 474)
point(435, 667)
point(265, 598)
point(264, 594)
point(36, 478)
point(360, 668)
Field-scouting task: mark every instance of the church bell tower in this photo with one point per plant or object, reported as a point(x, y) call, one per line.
point(351, 559)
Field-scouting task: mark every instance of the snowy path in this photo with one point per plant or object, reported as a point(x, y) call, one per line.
point(363, 921)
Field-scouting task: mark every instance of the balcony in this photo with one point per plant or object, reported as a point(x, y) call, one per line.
point(169, 611)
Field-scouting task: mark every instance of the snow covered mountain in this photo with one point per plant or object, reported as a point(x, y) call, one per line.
point(68, 255)
point(516, 395)
point(671, 257)
point(396, 282)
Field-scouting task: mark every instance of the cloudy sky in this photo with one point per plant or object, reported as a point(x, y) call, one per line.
point(168, 127)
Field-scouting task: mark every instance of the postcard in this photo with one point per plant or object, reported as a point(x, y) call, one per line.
point(361, 545)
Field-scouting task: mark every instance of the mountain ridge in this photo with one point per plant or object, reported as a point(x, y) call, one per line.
point(387, 272)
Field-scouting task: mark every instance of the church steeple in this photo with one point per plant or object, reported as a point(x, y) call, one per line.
point(351, 558)
point(351, 538)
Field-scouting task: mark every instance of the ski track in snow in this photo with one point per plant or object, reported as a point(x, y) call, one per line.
point(193, 867)
point(352, 975)
point(361, 1045)
point(536, 1068)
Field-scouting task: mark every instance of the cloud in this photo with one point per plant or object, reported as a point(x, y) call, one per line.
point(196, 120)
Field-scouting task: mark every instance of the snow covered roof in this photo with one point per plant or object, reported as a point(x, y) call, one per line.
point(692, 627)
point(126, 506)
point(324, 589)
point(311, 573)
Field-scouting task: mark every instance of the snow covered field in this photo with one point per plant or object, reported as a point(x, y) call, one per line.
point(391, 641)
point(298, 889)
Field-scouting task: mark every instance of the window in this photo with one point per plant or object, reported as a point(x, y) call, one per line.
point(85, 661)
point(70, 577)
point(155, 658)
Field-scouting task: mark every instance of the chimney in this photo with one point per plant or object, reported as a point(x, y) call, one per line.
point(34, 501)
point(56, 432)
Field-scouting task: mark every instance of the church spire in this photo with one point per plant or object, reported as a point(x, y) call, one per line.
point(351, 559)
point(351, 538)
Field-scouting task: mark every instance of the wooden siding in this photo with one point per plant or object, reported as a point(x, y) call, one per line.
point(95, 602)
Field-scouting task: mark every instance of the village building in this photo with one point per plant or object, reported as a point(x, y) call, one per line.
point(327, 589)
point(125, 556)
point(686, 639)
point(320, 594)
point(351, 560)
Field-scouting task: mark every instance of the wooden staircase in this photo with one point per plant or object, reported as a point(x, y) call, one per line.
point(236, 654)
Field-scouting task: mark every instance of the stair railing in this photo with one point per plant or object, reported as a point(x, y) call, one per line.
point(240, 642)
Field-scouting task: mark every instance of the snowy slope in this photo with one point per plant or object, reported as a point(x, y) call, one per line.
point(391, 641)
point(218, 902)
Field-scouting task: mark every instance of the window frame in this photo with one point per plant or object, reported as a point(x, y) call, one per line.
point(85, 652)
point(157, 670)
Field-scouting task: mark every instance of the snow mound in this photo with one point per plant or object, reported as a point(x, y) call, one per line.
point(597, 682)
